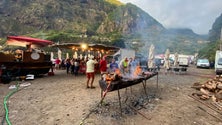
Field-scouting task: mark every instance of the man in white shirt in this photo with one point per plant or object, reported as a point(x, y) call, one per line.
point(90, 71)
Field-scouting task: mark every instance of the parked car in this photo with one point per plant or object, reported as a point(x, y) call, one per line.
point(203, 63)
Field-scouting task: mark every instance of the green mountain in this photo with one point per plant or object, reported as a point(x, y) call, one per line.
point(215, 36)
point(30, 16)
point(101, 21)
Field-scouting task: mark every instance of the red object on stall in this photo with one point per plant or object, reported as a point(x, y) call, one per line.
point(23, 40)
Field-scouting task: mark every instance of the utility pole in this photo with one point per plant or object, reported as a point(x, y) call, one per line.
point(221, 34)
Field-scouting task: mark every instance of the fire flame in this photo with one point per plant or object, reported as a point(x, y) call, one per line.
point(137, 71)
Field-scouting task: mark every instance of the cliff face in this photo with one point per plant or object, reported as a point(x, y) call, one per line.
point(129, 19)
point(102, 21)
point(215, 32)
point(25, 16)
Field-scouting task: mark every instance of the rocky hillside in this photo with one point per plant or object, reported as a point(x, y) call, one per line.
point(215, 32)
point(25, 16)
point(101, 20)
point(214, 36)
point(129, 19)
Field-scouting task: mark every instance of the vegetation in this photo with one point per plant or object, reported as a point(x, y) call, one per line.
point(215, 37)
point(116, 2)
point(209, 50)
point(97, 21)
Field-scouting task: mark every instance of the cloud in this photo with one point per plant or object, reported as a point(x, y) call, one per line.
point(199, 15)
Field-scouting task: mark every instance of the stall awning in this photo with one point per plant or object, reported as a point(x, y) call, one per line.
point(24, 41)
point(79, 46)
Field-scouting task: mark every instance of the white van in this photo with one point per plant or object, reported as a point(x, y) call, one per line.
point(218, 62)
point(183, 61)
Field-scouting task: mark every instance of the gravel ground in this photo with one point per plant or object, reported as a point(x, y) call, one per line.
point(64, 100)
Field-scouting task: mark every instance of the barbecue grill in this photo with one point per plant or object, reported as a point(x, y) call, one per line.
point(121, 82)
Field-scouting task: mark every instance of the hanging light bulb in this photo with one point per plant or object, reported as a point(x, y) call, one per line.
point(84, 46)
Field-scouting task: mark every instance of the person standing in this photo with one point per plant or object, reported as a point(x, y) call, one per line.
point(76, 67)
point(124, 66)
point(113, 66)
point(134, 62)
point(103, 65)
point(130, 65)
point(57, 63)
point(72, 65)
point(68, 64)
point(90, 71)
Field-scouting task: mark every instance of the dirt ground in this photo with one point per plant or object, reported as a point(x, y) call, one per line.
point(64, 100)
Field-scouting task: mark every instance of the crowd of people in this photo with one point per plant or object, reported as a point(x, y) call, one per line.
point(91, 65)
point(72, 66)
